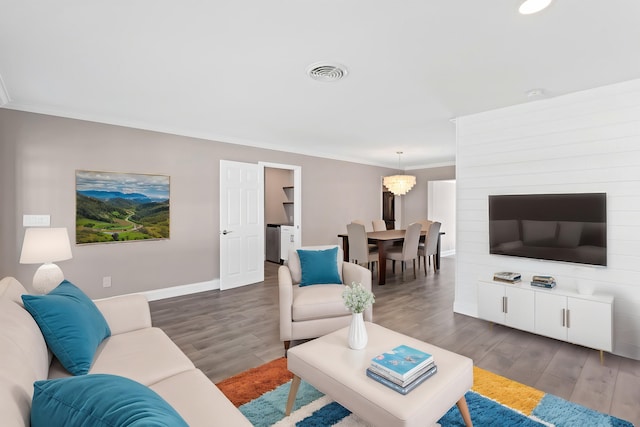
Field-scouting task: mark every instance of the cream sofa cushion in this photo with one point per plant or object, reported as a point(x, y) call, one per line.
point(24, 357)
point(128, 355)
point(318, 302)
point(202, 400)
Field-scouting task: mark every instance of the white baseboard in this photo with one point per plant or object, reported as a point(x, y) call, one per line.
point(176, 291)
point(465, 309)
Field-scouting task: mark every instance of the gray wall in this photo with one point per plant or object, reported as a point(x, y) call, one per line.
point(274, 195)
point(414, 203)
point(39, 155)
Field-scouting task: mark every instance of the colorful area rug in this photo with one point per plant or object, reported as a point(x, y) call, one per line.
point(261, 394)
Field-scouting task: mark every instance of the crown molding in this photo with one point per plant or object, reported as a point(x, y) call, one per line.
point(4, 95)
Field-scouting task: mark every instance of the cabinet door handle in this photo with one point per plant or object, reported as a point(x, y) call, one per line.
point(563, 318)
point(505, 306)
point(568, 318)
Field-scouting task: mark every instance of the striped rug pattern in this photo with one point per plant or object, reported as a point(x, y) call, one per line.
point(261, 394)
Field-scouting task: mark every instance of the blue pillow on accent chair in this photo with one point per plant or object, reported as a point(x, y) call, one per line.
point(319, 266)
point(100, 400)
point(71, 324)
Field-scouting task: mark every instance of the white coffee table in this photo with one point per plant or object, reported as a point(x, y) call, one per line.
point(332, 367)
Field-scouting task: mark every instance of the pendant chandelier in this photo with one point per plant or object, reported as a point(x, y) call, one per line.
point(399, 184)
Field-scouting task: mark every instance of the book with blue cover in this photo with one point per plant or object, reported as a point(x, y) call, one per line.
point(402, 361)
point(400, 389)
point(401, 383)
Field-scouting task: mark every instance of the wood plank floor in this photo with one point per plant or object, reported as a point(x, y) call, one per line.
point(227, 332)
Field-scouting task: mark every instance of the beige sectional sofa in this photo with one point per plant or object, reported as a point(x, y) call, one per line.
point(135, 350)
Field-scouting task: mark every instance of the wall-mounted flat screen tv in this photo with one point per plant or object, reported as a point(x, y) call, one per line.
point(557, 227)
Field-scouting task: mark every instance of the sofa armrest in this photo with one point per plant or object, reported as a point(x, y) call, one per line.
point(125, 313)
point(356, 273)
point(285, 296)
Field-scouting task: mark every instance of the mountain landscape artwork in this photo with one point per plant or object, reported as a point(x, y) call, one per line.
point(121, 207)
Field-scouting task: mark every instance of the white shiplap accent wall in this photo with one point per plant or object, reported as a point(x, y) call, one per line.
point(583, 142)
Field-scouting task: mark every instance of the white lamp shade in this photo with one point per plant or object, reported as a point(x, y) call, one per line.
point(42, 245)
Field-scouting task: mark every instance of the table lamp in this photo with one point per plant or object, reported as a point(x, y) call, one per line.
point(46, 245)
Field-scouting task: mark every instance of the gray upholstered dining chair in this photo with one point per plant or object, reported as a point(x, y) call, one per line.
point(430, 246)
point(310, 290)
point(367, 224)
point(425, 227)
point(379, 225)
point(360, 252)
point(409, 249)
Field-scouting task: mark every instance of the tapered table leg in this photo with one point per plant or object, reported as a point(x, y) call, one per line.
point(295, 384)
point(464, 411)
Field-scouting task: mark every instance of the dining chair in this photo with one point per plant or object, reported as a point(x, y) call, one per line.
point(360, 252)
point(367, 224)
point(379, 225)
point(425, 227)
point(430, 246)
point(425, 224)
point(409, 249)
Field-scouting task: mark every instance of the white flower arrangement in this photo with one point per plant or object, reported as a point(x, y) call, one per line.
point(357, 298)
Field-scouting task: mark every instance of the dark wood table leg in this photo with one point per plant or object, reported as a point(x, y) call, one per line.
point(345, 249)
point(436, 262)
point(382, 263)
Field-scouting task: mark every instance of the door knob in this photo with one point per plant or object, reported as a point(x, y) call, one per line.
point(225, 232)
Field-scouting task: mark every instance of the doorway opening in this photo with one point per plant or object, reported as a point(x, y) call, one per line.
point(282, 211)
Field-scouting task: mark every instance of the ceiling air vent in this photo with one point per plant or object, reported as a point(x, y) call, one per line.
point(327, 72)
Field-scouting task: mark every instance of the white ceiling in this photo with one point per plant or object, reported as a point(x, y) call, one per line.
point(235, 71)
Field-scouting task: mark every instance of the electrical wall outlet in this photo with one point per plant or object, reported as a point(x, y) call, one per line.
point(106, 282)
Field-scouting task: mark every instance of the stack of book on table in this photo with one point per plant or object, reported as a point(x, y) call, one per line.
point(543, 281)
point(507, 276)
point(402, 368)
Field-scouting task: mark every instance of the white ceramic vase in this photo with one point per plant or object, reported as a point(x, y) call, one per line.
point(357, 332)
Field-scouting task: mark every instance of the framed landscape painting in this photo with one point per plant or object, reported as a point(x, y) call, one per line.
point(121, 207)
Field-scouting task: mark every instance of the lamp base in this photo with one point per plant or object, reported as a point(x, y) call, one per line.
point(47, 277)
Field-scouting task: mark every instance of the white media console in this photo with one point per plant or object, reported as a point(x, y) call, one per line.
point(564, 315)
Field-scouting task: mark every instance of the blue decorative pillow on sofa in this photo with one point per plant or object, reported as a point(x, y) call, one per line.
point(319, 266)
point(71, 324)
point(100, 400)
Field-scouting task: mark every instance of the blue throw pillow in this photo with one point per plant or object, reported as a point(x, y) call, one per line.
point(71, 324)
point(319, 267)
point(99, 400)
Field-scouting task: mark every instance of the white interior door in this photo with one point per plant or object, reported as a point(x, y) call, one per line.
point(241, 224)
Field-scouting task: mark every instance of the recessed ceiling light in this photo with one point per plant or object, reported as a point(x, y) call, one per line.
point(327, 71)
point(534, 93)
point(533, 6)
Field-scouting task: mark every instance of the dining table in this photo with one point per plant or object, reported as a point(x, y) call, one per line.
point(382, 239)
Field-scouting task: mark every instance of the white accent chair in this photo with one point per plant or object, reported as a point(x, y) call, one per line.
point(312, 311)
point(360, 252)
point(409, 249)
point(430, 246)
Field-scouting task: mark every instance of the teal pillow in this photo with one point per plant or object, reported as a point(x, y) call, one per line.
point(319, 267)
point(99, 400)
point(71, 324)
